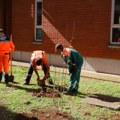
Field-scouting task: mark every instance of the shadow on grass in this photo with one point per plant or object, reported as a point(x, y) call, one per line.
point(58, 88)
point(22, 87)
point(81, 95)
point(9, 82)
point(25, 87)
point(6, 114)
point(105, 98)
point(105, 101)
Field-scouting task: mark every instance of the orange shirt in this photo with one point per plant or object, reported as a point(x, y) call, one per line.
point(6, 46)
point(39, 54)
point(66, 52)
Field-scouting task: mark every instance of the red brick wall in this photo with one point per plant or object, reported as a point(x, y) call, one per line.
point(23, 25)
point(1, 14)
point(91, 20)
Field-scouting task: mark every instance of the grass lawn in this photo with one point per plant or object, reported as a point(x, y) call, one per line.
point(18, 98)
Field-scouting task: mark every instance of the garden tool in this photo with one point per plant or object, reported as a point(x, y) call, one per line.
point(11, 76)
point(41, 82)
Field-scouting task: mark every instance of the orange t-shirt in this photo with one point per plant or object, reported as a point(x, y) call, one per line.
point(39, 54)
point(6, 45)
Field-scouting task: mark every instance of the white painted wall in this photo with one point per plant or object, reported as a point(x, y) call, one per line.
point(110, 66)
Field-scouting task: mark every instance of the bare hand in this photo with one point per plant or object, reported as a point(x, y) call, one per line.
point(69, 73)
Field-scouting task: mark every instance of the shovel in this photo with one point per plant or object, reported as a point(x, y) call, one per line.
point(11, 76)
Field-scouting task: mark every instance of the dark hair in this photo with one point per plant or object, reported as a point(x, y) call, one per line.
point(58, 46)
point(39, 61)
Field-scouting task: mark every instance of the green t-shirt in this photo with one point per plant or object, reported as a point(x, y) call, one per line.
point(73, 58)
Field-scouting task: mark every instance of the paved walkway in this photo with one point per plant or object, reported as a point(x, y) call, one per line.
point(84, 73)
point(103, 101)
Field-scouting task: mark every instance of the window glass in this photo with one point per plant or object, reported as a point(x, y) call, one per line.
point(115, 28)
point(116, 35)
point(117, 12)
point(38, 33)
point(38, 19)
point(39, 13)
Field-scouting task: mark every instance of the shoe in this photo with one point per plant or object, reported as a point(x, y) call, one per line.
point(68, 92)
point(25, 83)
point(7, 83)
point(74, 90)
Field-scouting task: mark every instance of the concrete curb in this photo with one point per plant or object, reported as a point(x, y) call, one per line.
point(101, 76)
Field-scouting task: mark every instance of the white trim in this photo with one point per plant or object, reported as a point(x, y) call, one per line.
point(37, 26)
point(116, 26)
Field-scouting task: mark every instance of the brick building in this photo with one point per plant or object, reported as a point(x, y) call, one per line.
point(92, 27)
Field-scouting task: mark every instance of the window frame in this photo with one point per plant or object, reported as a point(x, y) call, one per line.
point(113, 25)
point(37, 26)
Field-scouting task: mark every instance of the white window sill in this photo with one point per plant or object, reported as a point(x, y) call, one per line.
point(37, 42)
point(114, 46)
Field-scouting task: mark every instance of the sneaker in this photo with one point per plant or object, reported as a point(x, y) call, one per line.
point(6, 83)
point(68, 92)
point(25, 83)
point(74, 90)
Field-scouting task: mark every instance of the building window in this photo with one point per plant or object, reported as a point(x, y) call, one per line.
point(115, 25)
point(38, 20)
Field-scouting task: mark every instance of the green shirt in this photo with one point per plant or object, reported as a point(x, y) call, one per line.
point(74, 60)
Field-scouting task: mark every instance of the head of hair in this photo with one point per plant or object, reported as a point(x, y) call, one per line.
point(39, 61)
point(1, 30)
point(58, 46)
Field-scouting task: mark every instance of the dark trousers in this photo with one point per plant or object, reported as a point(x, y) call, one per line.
point(30, 72)
point(6, 77)
point(0, 76)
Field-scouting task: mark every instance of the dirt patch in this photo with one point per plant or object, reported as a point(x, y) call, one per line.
point(46, 92)
point(115, 117)
point(43, 115)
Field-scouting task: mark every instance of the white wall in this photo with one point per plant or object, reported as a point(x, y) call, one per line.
point(110, 66)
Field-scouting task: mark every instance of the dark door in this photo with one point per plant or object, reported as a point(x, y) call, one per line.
point(2, 14)
point(5, 16)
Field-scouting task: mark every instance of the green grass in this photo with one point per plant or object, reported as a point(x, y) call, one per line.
point(18, 98)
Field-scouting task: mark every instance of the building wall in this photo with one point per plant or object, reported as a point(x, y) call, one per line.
point(86, 22)
point(92, 19)
point(23, 26)
point(82, 24)
point(99, 65)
